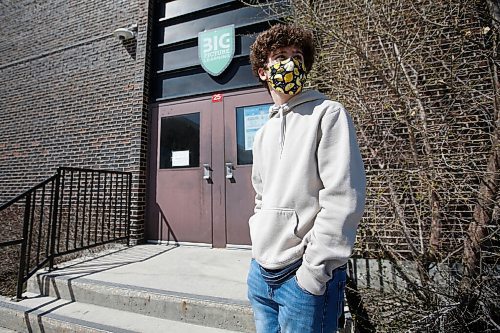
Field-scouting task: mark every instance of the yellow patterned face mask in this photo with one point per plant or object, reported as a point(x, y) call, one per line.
point(287, 76)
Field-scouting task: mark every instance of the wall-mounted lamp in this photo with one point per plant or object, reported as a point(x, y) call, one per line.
point(126, 33)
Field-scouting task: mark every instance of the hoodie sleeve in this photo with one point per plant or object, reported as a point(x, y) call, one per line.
point(341, 201)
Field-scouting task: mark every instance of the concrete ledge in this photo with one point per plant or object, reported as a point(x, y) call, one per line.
point(27, 319)
point(189, 308)
point(47, 314)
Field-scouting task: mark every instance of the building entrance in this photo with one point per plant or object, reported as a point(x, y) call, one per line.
point(200, 176)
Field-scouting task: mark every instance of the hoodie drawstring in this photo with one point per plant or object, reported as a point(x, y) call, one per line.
point(281, 110)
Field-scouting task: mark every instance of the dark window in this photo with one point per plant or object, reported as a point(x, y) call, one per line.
point(180, 141)
point(248, 120)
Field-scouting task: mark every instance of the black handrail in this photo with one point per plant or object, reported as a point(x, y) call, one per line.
point(71, 211)
point(19, 197)
point(12, 242)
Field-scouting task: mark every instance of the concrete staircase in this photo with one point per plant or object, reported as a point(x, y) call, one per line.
point(148, 288)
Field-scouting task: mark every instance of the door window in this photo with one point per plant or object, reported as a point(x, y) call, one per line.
point(180, 141)
point(249, 119)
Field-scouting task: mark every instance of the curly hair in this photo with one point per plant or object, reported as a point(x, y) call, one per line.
point(278, 36)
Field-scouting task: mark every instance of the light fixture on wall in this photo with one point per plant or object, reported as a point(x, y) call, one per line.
point(124, 34)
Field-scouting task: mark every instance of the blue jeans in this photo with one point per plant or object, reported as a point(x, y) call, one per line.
point(287, 308)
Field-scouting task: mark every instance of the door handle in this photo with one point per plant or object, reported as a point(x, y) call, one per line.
point(229, 170)
point(207, 171)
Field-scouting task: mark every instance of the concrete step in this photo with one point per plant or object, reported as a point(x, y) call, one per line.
point(217, 312)
point(48, 314)
point(193, 285)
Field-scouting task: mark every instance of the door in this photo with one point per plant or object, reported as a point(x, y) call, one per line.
point(183, 182)
point(201, 190)
point(244, 114)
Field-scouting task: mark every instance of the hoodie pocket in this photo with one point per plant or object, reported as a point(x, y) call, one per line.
point(274, 241)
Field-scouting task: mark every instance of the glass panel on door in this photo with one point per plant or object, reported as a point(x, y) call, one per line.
point(249, 119)
point(180, 141)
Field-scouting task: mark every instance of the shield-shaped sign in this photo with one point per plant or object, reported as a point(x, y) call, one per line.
point(216, 49)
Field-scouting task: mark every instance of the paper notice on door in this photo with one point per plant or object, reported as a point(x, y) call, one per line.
point(255, 118)
point(180, 158)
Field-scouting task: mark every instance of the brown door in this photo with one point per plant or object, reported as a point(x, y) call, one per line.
point(244, 114)
point(183, 182)
point(201, 189)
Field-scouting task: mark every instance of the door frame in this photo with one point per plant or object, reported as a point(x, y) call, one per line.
point(218, 159)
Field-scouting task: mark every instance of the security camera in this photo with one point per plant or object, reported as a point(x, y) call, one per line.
point(125, 33)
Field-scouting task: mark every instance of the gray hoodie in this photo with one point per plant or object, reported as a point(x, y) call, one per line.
point(310, 184)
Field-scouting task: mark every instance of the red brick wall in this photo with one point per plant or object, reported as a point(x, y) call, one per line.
point(445, 48)
point(72, 94)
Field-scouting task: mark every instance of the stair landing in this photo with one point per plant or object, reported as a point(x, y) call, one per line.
point(157, 285)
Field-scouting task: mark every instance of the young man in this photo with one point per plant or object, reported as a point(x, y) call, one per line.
point(310, 185)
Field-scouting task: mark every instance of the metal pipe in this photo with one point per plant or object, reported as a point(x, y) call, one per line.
point(22, 263)
point(84, 208)
point(70, 200)
point(54, 221)
point(77, 209)
point(129, 207)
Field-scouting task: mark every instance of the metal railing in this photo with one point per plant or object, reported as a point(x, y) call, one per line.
point(73, 210)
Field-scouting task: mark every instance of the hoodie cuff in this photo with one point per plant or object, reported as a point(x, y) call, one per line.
point(309, 282)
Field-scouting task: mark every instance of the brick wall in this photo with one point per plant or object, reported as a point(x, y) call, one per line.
point(72, 94)
point(445, 49)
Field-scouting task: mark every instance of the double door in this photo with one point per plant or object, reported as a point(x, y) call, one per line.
point(200, 189)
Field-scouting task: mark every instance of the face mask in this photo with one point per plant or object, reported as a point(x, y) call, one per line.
point(287, 76)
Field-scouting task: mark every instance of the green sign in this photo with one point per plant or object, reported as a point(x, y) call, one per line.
point(216, 49)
